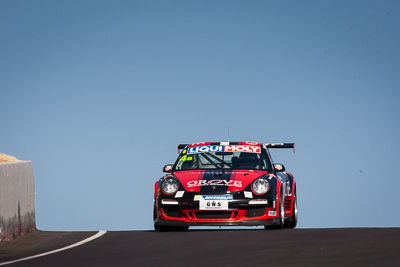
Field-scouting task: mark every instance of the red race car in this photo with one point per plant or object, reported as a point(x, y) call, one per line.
point(225, 184)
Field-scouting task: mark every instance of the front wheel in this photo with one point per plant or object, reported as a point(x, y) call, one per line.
point(292, 222)
point(181, 228)
point(281, 213)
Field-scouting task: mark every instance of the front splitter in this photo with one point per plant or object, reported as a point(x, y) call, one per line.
point(273, 221)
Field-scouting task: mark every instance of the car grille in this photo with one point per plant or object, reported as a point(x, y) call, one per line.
point(215, 214)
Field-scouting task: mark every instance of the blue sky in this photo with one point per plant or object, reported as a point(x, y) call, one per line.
point(99, 93)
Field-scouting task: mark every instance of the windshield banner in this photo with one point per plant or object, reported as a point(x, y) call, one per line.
point(227, 148)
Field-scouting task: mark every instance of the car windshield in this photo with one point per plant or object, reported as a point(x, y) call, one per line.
point(198, 160)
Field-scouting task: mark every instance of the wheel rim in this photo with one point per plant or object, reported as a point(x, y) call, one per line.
point(282, 210)
point(295, 209)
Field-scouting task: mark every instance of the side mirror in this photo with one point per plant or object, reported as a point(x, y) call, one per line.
point(278, 167)
point(167, 168)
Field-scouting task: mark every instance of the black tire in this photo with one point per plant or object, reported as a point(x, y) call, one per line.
point(162, 228)
point(292, 222)
point(281, 212)
point(181, 228)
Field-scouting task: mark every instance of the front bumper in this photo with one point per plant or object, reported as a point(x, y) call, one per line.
point(258, 222)
point(238, 214)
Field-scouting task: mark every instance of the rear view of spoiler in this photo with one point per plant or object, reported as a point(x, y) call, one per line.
point(280, 145)
point(182, 146)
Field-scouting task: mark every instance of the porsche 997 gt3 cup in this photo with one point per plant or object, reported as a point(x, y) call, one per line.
point(225, 184)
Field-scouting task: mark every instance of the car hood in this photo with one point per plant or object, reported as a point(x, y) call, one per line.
point(217, 181)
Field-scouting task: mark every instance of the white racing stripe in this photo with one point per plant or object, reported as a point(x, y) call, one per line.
point(100, 233)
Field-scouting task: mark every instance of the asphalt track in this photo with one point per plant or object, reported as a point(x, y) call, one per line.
point(292, 247)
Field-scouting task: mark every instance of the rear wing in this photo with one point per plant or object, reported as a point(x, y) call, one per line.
point(182, 146)
point(280, 145)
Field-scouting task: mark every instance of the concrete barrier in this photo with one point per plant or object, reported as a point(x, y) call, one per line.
point(17, 199)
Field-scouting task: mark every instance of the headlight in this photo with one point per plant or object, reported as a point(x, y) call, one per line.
point(260, 186)
point(169, 186)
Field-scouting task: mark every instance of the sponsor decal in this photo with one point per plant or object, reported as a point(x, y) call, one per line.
point(271, 213)
point(218, 202)
point(251, 143)
point(205, 149)
point(235, 183)
point(199, 143)
point(251, 149)
point(218, 197)
point(224, 148)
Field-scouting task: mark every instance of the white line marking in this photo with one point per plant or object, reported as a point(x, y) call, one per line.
point(100, 233)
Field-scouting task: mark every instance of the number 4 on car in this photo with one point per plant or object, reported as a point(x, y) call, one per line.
point(225, 184)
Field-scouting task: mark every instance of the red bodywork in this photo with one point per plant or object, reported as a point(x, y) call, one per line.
point(192, 181)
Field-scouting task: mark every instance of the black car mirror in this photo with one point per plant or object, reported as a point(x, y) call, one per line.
point(278, 167)
point(167, 168)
